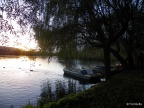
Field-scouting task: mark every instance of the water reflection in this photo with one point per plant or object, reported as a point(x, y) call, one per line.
point(51, 93)
point(22, 77)
point(74, 63)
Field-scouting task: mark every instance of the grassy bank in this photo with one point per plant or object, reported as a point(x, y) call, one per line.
point(123, 90)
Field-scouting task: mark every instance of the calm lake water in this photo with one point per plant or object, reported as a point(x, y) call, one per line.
point(22, 77)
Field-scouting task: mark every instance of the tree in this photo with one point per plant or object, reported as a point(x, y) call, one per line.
point(132, 40)
point(61, 24)
point(12, 12)
point(99, 23)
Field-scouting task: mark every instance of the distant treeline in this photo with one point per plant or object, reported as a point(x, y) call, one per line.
point(84, 54)
point(9, 50)
point(4, 50)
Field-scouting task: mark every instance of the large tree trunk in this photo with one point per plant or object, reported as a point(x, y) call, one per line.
point(106, 50)
point(130, 61)
point(119, 58)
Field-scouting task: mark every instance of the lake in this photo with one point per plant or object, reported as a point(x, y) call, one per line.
point(22, 77)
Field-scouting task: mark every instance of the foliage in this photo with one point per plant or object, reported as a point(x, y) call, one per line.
point(118, 92)
point(121, 91)
point(67, 25)
point(15, 18)
point(29, 106)
point(84, 22)
point(61, 90)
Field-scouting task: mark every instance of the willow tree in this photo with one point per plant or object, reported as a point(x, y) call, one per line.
point(99, 23)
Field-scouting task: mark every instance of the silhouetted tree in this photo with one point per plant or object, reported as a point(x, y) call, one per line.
point(61, 24)
point(99, 23)
point(133, 39)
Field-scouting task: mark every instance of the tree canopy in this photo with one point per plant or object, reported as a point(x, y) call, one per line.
point(67, 24)
point(99, 23)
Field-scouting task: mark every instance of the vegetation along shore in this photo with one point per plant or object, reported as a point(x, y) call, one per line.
point(122, 90)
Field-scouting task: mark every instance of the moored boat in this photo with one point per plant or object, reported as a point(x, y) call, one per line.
point(84, 74)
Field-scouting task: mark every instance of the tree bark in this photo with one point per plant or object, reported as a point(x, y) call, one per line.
point(130, 61)
point(119, 58)
point(106, 50)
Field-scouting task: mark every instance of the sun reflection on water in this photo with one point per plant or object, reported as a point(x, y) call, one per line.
point(21, 78)
point(23, 66)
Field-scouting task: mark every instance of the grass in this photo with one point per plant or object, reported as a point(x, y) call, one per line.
point(123, 90)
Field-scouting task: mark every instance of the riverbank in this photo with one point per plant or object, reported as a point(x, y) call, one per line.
point(123, 90)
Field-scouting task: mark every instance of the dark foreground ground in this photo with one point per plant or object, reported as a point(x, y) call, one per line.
point(124, 90)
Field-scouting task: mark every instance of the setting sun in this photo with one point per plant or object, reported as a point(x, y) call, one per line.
point(24, 43)
point(22, 38)
point(16, 35)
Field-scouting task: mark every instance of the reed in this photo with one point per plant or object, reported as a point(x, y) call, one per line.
point(59, 90)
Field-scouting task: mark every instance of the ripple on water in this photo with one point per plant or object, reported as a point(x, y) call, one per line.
point(22, 79)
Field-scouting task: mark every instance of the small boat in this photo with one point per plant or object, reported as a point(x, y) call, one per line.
point(84, 74)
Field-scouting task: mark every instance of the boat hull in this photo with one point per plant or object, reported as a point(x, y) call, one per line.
point(80, 76)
